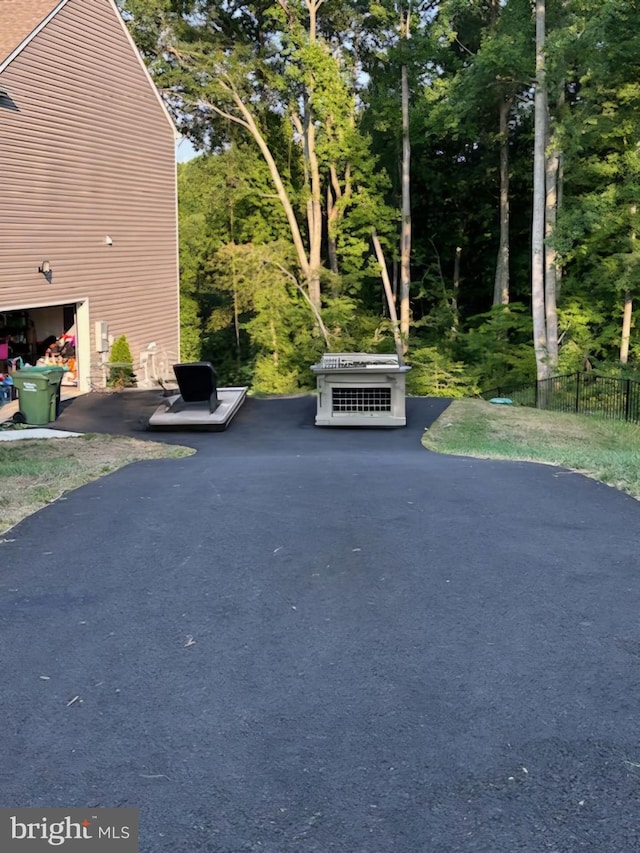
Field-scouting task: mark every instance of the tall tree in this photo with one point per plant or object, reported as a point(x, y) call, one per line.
point(598, 222)
point(396, 60)
point(405, 228)
point(542, 296)
point(501, 282)
point(272, 68)
point(488, 93)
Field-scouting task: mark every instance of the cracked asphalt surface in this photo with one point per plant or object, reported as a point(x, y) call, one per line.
point(326, 640)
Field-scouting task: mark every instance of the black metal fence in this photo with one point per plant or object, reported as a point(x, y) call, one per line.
point(582, 393)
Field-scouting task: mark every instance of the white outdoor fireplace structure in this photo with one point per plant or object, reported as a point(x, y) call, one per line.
point(360, 389)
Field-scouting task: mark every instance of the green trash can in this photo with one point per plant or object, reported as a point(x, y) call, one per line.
point(38, 394)
point(57, 369)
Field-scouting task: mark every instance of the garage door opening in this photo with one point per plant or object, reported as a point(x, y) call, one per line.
point(42, 335)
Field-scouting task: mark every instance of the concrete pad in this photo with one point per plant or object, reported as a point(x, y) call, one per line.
point(35, 432)
point(199, 417)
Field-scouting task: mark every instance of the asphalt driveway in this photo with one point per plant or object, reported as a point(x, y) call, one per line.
point(327, 640)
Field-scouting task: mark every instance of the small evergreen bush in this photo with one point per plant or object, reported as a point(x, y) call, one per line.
point(121, 374)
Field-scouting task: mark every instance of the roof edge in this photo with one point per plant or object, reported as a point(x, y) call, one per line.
point(34, 32)
point(134, 47)
point(18, 50)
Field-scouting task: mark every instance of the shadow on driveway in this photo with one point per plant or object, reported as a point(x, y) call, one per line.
point(274, 424)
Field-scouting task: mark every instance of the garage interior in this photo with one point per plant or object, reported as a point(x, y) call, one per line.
point(40, 336)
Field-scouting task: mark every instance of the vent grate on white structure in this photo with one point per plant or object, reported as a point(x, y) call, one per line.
point(370, 399)
point(338, 361)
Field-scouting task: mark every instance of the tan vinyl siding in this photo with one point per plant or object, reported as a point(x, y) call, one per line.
point(88, 152)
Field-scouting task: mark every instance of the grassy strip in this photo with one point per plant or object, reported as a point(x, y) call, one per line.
point(604, 450)
point(35, 472)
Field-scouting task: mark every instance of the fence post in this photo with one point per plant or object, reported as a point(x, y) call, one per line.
point(577, 392)
point(536, 396)
point(627, 400)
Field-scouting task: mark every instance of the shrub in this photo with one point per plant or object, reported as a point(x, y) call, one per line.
point(121, 374)
point(435, 374)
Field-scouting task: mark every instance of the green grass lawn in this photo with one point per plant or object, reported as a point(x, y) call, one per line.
point(608, 451)
point(35, 472)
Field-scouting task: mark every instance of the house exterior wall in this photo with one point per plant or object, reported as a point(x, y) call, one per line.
point(87, 152)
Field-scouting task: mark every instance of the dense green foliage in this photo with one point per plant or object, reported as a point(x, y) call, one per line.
point(297, 103)
point(600, 136)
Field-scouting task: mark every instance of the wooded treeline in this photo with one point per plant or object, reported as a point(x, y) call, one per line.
point(458, 180)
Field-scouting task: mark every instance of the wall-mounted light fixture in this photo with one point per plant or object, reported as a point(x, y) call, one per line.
point(108, 240)
point(45, 269)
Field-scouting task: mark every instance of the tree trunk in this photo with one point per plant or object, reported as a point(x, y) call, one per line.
point(405, 239)
point(314, 204)
point(332, 219)
point(315, 231)
point(501, 286)
point(537, 226)
point(628, 301)
point(626, 327)
point(249, 123)
point(552, 165)
point(274, 342)
point(559, 179)
point(312, 6)
point(455, 317)
point(236, 311)
point(391, 305)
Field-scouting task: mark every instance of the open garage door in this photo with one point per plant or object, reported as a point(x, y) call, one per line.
point(47, 334)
